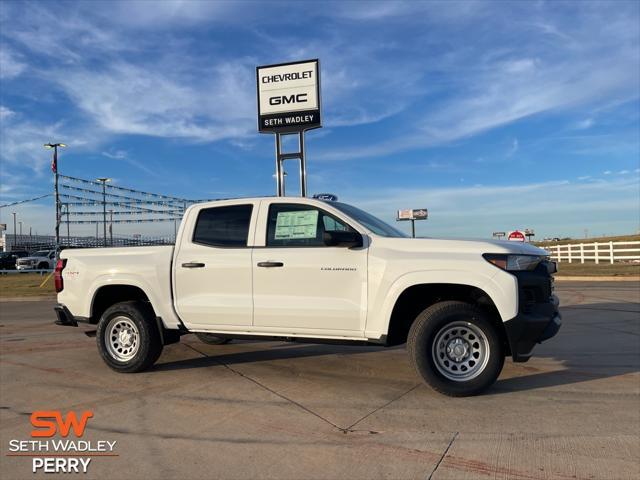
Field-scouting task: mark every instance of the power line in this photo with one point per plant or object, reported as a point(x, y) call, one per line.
point(25, 201)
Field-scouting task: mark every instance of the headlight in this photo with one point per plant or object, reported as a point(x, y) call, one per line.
point(514, 263)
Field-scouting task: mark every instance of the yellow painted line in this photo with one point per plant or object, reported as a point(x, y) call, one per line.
point(46, 279)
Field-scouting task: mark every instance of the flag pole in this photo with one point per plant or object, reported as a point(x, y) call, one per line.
point(54, 169)
point(55, 173)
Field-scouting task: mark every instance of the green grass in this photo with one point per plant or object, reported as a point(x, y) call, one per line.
point(621, 238)
point(25, 285)
point(601, 269)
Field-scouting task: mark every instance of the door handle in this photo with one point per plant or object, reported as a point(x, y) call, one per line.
point(192, 265)
point(270, 264)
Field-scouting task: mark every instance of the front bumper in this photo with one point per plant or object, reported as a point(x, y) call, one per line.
point(26, 267)
point(527, 329)
point(538, 316)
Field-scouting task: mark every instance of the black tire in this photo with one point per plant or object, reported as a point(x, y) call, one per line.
point(43, 266)
point(211, 339)
point(149, 344)
point(440, 319)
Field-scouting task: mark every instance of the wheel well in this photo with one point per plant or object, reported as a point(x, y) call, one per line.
point(112, 294)
point(418, 297)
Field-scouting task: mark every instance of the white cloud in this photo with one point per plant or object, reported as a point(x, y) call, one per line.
point(206, 105)
point(492, 85)
point(584, 124)
point(22, 139)
point(117, 154)
point(555, 207)
point(6, 113)
point(10, 65)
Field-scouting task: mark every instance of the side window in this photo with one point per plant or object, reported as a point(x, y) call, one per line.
point(295, 225)
point(223, 226)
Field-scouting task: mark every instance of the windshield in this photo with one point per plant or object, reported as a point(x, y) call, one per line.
point(374, 224)
point(41, 253)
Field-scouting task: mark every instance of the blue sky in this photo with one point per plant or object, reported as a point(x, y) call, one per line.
point(494, 115)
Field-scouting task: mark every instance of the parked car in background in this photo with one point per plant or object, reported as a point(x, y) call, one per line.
point(8, 259)
point(40, 260)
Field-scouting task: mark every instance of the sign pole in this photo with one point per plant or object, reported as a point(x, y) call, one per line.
point(413, 228)
point(303, 166)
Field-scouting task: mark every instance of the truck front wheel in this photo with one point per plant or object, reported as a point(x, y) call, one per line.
point(128, 337)
point(455, 349)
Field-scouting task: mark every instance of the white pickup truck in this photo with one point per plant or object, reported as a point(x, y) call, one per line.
point(311, 270)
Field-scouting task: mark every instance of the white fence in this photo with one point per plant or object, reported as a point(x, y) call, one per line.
point(606, 252)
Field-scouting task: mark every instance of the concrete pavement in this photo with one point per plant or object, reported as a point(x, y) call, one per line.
point(281, 410)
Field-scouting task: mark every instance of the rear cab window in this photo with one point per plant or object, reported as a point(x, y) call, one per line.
point(223, 227)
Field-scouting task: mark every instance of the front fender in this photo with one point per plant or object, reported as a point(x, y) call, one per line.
point(501, 287)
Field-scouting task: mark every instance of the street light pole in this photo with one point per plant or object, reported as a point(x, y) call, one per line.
point(104, 181)
point(54, 169)
point(15, 233)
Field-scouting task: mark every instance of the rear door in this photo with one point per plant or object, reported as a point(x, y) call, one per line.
point(212, 267)
point(300, 284)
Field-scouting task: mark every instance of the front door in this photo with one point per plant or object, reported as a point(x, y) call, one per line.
point(302, 285)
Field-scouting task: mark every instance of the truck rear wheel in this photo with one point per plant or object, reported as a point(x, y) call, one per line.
point(211, 339)
point(128, 337)
point(455, 349)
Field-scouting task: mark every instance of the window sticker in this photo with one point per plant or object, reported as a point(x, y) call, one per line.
point(297, 224)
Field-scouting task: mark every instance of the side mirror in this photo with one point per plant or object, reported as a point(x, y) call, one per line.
point(336, 238)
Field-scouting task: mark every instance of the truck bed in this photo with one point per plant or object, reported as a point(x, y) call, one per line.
point(148, 268)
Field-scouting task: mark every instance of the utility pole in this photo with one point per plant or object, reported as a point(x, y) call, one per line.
point(104, 181)
point(54, 169)
point(111, 228)
point(15, 232)
point(20, 223)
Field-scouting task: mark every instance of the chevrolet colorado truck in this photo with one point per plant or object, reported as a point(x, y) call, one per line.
point(310, 270)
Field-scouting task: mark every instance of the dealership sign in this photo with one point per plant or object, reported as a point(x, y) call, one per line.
point(288, 97)
point(413, 214)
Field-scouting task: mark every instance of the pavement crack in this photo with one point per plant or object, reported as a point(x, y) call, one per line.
point(350, 427)
point(444, 454)
point(263, 386)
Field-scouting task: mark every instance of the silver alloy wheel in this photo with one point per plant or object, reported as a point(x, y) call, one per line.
point(123, 338)
point(460, 351)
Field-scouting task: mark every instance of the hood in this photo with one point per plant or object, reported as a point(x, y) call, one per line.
point(444, 245)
